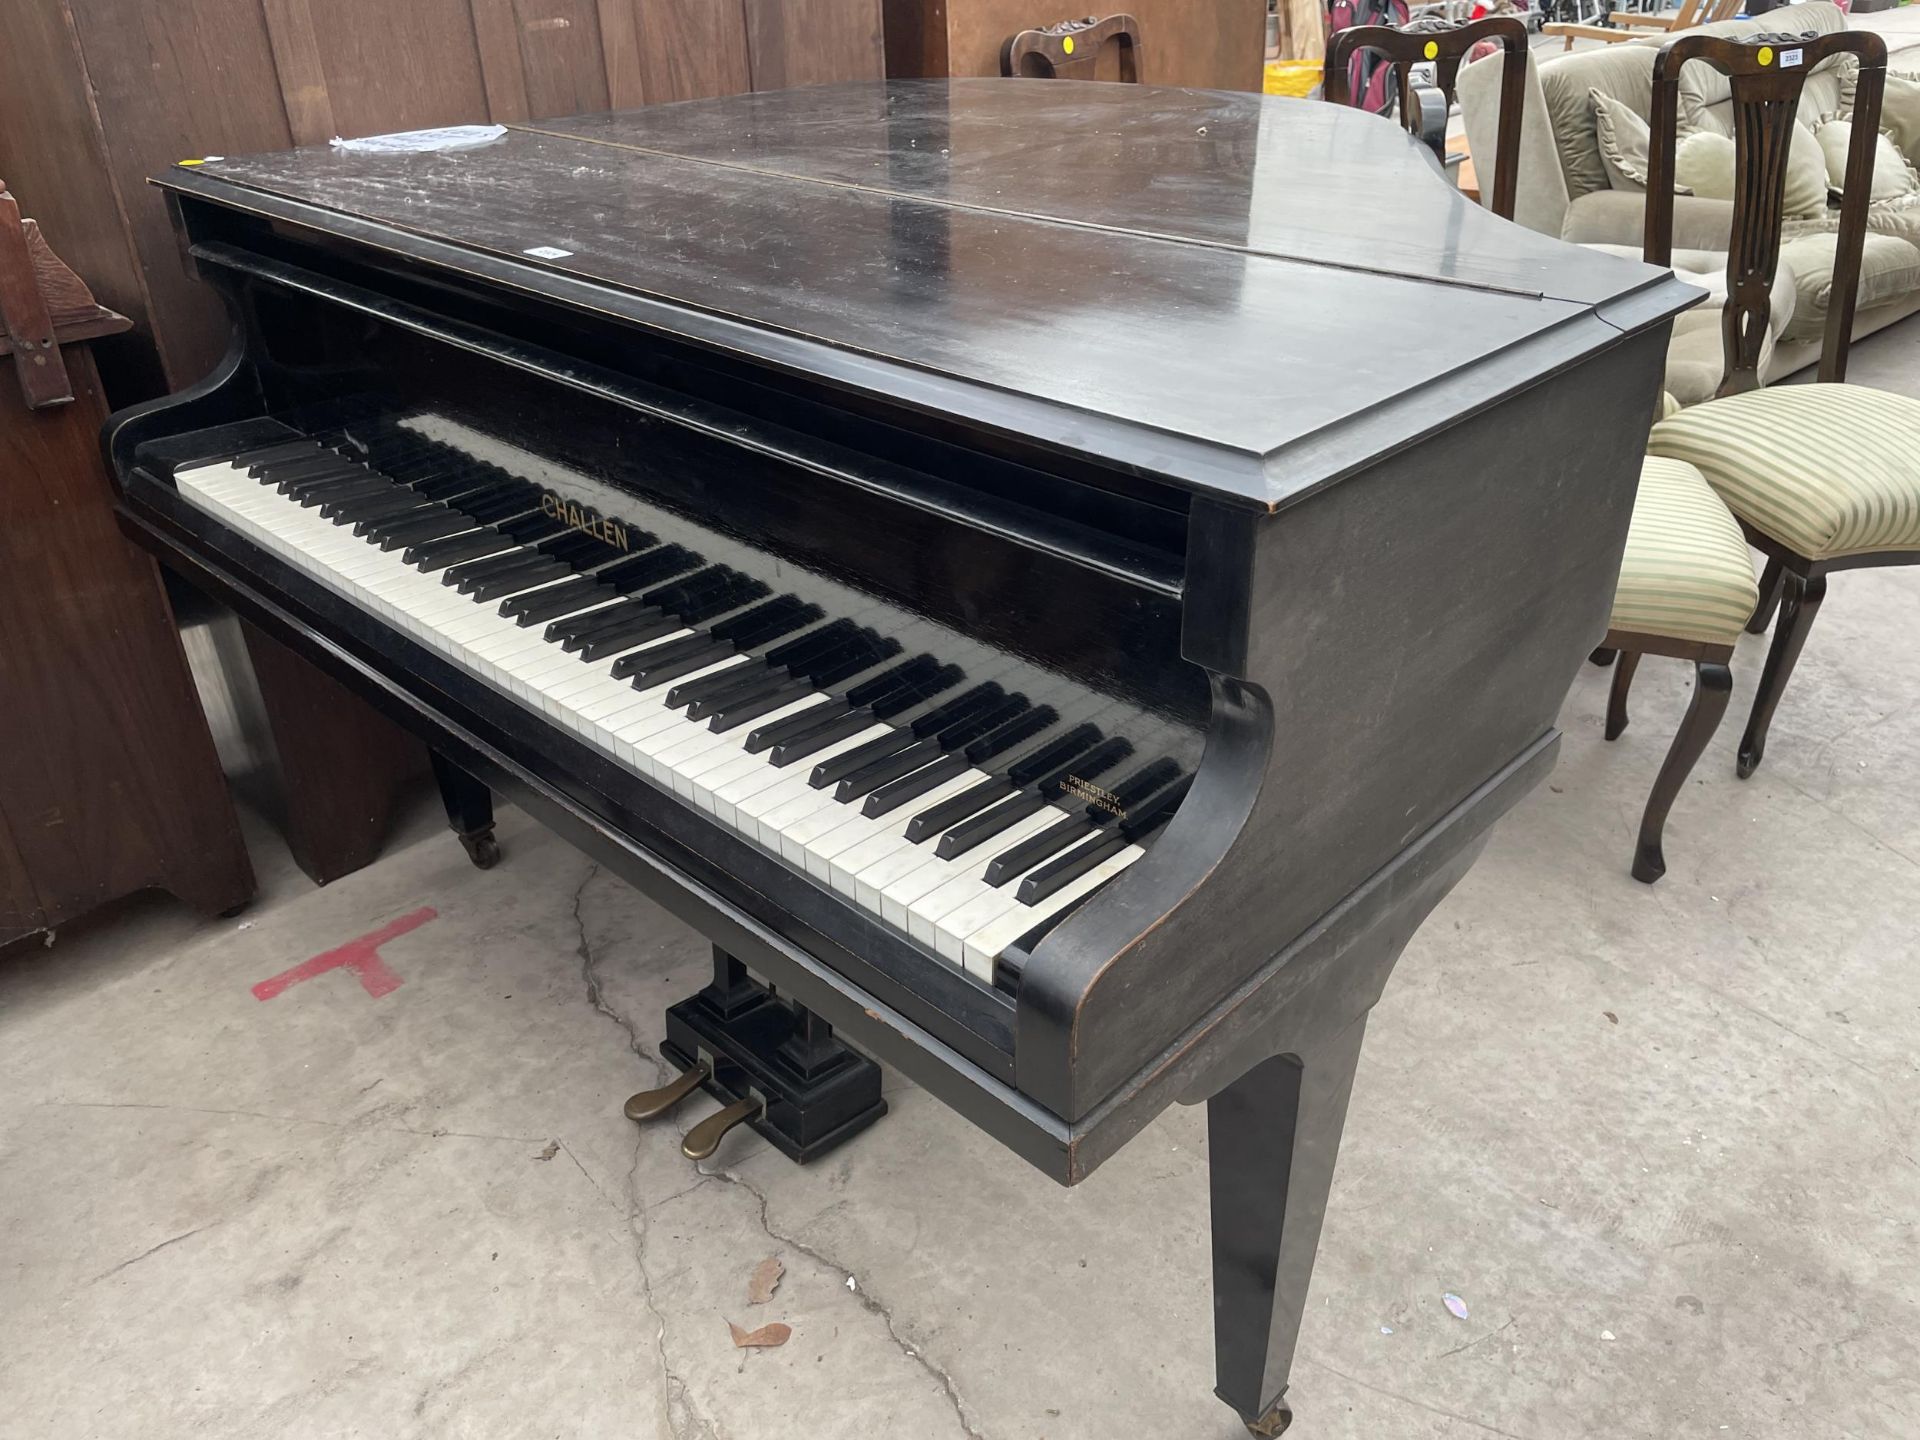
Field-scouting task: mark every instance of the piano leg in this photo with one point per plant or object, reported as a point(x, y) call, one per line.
point(469, 811)
point(1273, 1136)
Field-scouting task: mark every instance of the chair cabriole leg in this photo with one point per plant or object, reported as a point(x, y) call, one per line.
point(1771, 579)
point(1617, 693)
point(1713, 684)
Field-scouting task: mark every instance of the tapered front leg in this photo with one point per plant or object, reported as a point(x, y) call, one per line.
point(1771, 579)
point(1272, 1139)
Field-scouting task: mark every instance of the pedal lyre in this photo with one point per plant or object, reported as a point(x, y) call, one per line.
point(651, 1104)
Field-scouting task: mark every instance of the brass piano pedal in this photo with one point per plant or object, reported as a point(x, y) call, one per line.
point(703, 1139)
point(652, 1104)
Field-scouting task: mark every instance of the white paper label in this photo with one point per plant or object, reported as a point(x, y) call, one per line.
point(547, 252)
point(1789, 59)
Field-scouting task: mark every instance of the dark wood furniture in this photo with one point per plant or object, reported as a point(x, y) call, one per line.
point(1163, 565)
point(1444, 46)
point(94, 98)
point(108, 779)
point(1211, 44)
point(1764, 96)
point(1071, 49)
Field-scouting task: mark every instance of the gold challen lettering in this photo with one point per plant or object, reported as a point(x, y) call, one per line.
point(586, 521)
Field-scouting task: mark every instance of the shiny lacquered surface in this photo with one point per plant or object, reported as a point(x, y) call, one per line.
point(1189, 301)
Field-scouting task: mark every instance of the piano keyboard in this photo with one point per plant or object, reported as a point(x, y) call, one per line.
point(967, 805)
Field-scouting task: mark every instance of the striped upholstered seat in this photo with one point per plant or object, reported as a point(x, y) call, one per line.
point(1687, 574)
point(1828, 470)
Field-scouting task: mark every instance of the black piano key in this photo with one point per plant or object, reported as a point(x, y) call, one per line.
point(825, 673)
point(829, 732)
point(320, 491)
point(984, 722)
point(251, 460)
point(743, 682)
point(281, 473)
point(904, 698)
point(910, 672)
point(599, 644)
point(1065, 869)
point(894, 794)
point(955, 808)
point(1052, 754)
point(967, 703)
point(438, 554)
point(887, 767)
point(1010, 864)
point(765, 737)
point(988, 823)
point(764, 623)
point(827, 772)
point(512, 582)
point(1025, 726)
point(721, 602)
point(562, 599)
point(612, 627)
point(649, 569)
point(659, 657)
point(814, 642)
point(344, 510)
point(1146, 783)
point(435, 523)
point(309, 477)
point(660, 672)
point(1097, 761)
point(739, 712)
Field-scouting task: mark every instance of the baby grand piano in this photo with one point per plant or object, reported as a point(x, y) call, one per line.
point(1055, 580)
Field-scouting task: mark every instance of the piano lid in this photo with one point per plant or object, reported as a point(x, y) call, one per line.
point(1242, 295)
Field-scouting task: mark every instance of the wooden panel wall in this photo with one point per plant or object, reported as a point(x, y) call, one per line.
point(95, 95)
point(1212, 44)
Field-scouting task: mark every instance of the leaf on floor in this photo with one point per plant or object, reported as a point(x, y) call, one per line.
point(553, 1149)
point(1612, 1018)
point(764, 1280)
point(765, 1338)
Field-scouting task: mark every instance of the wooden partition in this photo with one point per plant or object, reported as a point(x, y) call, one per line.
point(1212, 44)
point(96, 95)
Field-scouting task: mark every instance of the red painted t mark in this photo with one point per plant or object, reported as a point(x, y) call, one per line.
point(361, 956)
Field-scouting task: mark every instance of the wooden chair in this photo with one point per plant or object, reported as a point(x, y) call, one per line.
point(1821, 477)
point(1632, 24)
point(1070, 49)
point(1423, 108)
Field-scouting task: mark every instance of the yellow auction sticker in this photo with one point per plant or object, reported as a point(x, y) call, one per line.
point(1766, 55)
point(1433, 50)
point(1067, 45)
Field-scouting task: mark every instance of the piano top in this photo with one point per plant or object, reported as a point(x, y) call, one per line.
point(1246, 296)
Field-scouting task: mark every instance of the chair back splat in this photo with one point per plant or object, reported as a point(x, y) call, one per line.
point(1443, 45)
point(1767, 74)
point(1070, 49)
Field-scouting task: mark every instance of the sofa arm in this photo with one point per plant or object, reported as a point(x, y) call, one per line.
point(1618, 217)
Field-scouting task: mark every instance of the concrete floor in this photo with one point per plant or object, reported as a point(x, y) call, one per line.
point(1665, 1143)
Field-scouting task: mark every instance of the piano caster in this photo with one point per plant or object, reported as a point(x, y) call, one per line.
point(771, 1064)
point(469, 806)
point(1274, 1422)
point(652, 1104)
point(482, 849)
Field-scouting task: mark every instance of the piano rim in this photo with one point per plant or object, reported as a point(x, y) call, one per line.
point(1221, 1043)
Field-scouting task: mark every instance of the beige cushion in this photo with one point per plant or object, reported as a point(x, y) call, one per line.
point(1686, 574)
point(1889, 270)
point(1703, 165)
point(1618, 217)
point(1624, 72)
point(1892, 175)
point(1899, 108)
point(1623, 139)
point(1703, 162)
point(1826, 469)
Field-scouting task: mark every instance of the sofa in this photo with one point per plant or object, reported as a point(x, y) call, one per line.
point(1573, 187)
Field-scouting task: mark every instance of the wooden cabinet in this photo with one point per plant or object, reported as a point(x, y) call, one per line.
point(95, 95)
point(1211, 44)
point(108, 778)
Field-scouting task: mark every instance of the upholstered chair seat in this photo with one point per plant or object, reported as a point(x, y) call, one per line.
point(1687, 572)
